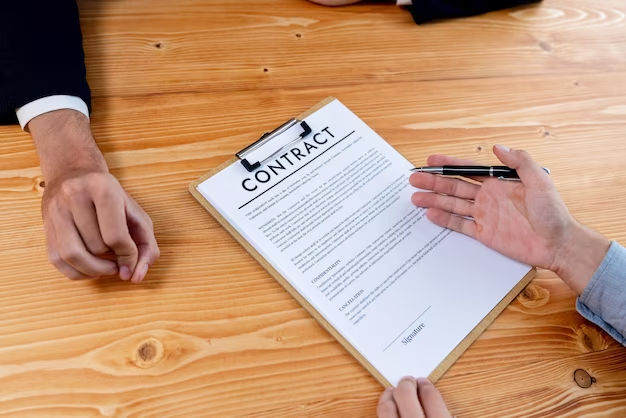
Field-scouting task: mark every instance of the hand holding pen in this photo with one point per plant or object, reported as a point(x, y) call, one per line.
point(526, 220)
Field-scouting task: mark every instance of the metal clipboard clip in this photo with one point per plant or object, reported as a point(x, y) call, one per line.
point(267, 137)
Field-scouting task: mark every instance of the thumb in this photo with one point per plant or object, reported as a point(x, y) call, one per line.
point(142, 231)
point(527, 169)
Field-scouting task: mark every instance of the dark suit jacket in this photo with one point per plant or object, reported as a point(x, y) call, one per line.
point(41, 51)
point(424, 11)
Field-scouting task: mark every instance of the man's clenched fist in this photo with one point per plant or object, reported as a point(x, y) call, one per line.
point(93, 227)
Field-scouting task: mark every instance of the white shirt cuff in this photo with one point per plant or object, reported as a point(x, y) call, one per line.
point(404, 2)
point(48, 104)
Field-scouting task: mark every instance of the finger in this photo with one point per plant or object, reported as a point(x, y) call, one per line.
point(111, 212)
point(449, 186)
point(53, 255)
point(69, 271)
point(451, 221)
point(447, 160)
point(436, 160)
point(72, 251)
point(386, 405)
point(449, 204)
point(528, 170)
point(86, 222)
point(431, 400)
point(405, 396)
point(142, 231)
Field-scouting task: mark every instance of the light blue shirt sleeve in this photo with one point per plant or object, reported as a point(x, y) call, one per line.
point(603, 301)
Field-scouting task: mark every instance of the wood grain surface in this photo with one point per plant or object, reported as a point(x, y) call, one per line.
point(180, 85)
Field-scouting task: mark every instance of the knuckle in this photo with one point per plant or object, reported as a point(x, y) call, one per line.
point(106, 189)
point(70, 255)
point(449, 204)
point(156, 254)
point(74, 192)
point(104, 192)
point(116, 239)
point(95, 178)
point(98, 249)
point(524, 155)
point(457, 223)
point(70, 188)
point(55, 259)
point(435, 183)
point(454, 187)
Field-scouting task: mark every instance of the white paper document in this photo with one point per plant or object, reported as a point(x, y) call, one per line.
point(333, 215)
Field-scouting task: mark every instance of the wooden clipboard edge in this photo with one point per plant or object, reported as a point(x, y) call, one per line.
point(441, 368)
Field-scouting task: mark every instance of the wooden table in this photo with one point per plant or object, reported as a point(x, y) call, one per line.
point(180, 85)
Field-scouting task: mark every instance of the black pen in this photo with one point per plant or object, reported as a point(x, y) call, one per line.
point(499, 171)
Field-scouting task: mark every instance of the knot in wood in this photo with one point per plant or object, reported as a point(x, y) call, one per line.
point(583, 379)
point(39, 184)
point(149, 353)
point(545, 46)
point(591, 339)
point(534, 296)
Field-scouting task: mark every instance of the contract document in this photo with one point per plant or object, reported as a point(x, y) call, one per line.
point(332, 214)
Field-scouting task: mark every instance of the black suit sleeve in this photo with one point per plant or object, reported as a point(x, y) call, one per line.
point(41, 53)
point(424, 11)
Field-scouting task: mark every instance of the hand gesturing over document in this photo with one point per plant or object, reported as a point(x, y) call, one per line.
point(526, 220)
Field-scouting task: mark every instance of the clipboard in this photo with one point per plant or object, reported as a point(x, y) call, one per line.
point(251, 164)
